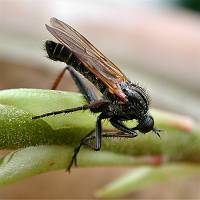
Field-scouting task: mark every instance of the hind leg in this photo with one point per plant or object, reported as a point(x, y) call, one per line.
point(58, 79)
point(95, 104)
point(87, 91)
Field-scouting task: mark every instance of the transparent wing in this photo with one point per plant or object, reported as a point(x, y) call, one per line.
point(92, 58)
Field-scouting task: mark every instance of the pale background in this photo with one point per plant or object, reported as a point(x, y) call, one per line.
point(154, 43)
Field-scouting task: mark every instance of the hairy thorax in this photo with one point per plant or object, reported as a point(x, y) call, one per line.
point(137, 105)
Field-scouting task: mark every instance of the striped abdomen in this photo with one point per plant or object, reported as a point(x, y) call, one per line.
point(59, 52)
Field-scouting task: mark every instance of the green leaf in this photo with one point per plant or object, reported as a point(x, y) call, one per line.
point(17, 129)
point(30, 161)
point(38, 101)
point(179, 142)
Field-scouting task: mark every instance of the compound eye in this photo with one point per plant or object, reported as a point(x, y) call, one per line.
point(146, 124)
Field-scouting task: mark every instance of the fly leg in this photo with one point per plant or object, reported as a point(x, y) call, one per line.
point(58, 79)
point(87, 91)
point(120, 126)
point(77, 149)
point(84, 141)
point(91, 98)
point(94, 104)
point(97, 105)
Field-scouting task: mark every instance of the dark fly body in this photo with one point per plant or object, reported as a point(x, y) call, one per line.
point(121, 99)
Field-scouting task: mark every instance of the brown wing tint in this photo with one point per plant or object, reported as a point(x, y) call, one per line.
point(93, 59)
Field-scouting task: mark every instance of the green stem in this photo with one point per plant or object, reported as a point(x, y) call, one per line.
point(30, 161)
point(180, 140)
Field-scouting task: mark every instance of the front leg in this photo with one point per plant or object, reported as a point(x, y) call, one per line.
point(120, 126)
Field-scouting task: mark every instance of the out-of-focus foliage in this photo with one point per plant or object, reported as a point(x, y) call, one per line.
point(193, 5)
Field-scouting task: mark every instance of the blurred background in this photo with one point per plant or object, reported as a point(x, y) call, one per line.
point(154, 42)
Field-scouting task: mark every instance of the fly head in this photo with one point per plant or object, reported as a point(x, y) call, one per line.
point(146, 124)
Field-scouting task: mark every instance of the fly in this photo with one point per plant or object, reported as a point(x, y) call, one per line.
point(121, 99)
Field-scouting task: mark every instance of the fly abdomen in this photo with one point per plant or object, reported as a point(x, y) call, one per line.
point(59, 52)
